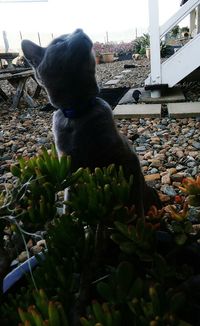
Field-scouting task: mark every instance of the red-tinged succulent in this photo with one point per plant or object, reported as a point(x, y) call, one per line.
point(175, 215)
point(191, 186)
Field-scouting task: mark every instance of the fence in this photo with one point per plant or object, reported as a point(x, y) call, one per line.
point(13, 40)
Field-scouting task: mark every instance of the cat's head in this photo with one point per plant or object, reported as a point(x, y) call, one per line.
point(66, 68)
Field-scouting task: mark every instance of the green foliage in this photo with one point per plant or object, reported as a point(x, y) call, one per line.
point(104, 266)
point(39, 180)
point(175, 31)
point(165, 49)
point(104, 314)
point(44, 312)
point(101, 195)
point(141, 43)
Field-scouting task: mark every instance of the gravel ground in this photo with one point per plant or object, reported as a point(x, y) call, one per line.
point(163, 144)
point(134, 78)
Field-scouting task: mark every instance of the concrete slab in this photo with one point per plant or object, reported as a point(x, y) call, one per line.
point(171, 95)
point(181, 110)
point(112, 82)
point(137, 110)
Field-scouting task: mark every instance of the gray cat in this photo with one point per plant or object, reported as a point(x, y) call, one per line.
point(83, 125)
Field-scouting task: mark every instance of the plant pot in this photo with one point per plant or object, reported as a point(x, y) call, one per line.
point(98, 59)
point(107, 57)
point(136, 56)
point(124, 56)
point(148, 53)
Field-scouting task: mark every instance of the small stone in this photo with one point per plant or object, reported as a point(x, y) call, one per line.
point(164, 198)
point(154, 163)
point(191, 164)
point(148, 155)
point(193, 153)
point(21, 150)
point(8, 144)
point(22, 257)
point(196, 144)
point(144, 163)
point(180, 167)
point(168, 190)
point(8, 175)
point(156, 146)
point(152, 177)
point(153, 171)
point(179, 153)
point(176, 184)
point(141, 149)
point(29, 244)
point(154, 140)
point(170, 164)
point(36, 249)
point(171, 171)
point(42, 140)
point(164, 122)
point(177, 177)
point(141, 130)
point(6, 157)
point(41, 243)
point(166, 179)
point(195, 171)
point(160, 157)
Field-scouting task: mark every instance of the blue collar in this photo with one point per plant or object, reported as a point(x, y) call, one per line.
point(70, 113)
point(74, 112)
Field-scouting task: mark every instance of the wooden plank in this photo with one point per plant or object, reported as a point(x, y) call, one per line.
point(18, 81)
point(37, 91)
point(19, 92)
point(13, 71)
point(28, 73)
point(7, 76)
point(29, 100)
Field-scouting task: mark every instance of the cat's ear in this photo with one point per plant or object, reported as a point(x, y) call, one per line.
point(32, 52)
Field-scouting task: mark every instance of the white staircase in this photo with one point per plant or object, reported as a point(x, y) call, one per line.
point(182, 62)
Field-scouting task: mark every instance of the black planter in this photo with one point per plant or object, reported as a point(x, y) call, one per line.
point(124, 56)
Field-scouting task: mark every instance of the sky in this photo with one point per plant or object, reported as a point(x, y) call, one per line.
point(116, 19)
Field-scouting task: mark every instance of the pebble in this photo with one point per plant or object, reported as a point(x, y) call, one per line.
point(196, 145)
point(140, 148)
point(152, 177)
point(177, 177)
point(168, 190)
point(166, 179)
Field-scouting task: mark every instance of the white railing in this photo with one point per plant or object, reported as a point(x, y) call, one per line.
point(156, 34)
point(178, 16)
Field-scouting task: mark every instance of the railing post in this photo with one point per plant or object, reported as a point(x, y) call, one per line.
point(198, 19)
point(154, 32)
point(192, 20)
